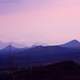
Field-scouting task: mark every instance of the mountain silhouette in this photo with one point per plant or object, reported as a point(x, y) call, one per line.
point(45, 55)
point(72, 44)
point(3, 44)
point(16, 45)
point(66, 70)
point(9, 48)
point(44, 62)
point(40, 55)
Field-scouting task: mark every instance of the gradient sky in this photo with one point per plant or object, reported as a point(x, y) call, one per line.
point(39, 21)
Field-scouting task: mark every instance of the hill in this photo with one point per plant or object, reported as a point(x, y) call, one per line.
point(66, 70)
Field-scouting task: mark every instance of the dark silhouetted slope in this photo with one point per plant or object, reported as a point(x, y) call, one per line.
point(66, 70)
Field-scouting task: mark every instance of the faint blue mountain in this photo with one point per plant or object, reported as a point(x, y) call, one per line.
point(9, 48)
point(72, 44)
point(3, 44)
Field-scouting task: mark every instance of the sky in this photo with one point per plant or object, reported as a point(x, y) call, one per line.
point(39, 21)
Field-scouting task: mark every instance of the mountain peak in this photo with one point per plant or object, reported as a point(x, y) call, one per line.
point(9, 46)
point(72, 44)
point(74, 41)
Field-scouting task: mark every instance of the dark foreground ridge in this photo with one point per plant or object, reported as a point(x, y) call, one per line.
point(67, 70)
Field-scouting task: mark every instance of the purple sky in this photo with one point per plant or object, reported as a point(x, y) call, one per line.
point(39, 21)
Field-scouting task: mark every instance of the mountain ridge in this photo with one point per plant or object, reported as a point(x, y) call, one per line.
point(72, 44)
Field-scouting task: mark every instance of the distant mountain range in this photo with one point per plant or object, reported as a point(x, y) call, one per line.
point(5, 44)
point(39, 55)
point(72, 44)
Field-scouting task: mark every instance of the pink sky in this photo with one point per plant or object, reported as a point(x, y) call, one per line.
point(35, 21)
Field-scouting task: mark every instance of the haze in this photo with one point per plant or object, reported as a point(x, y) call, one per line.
point(39, 21)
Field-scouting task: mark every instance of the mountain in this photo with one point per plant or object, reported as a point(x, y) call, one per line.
point(40, 55)
point(9, 48)
point(72, 44)
point(3, 44)
point(65, 70)
point(13, 44)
